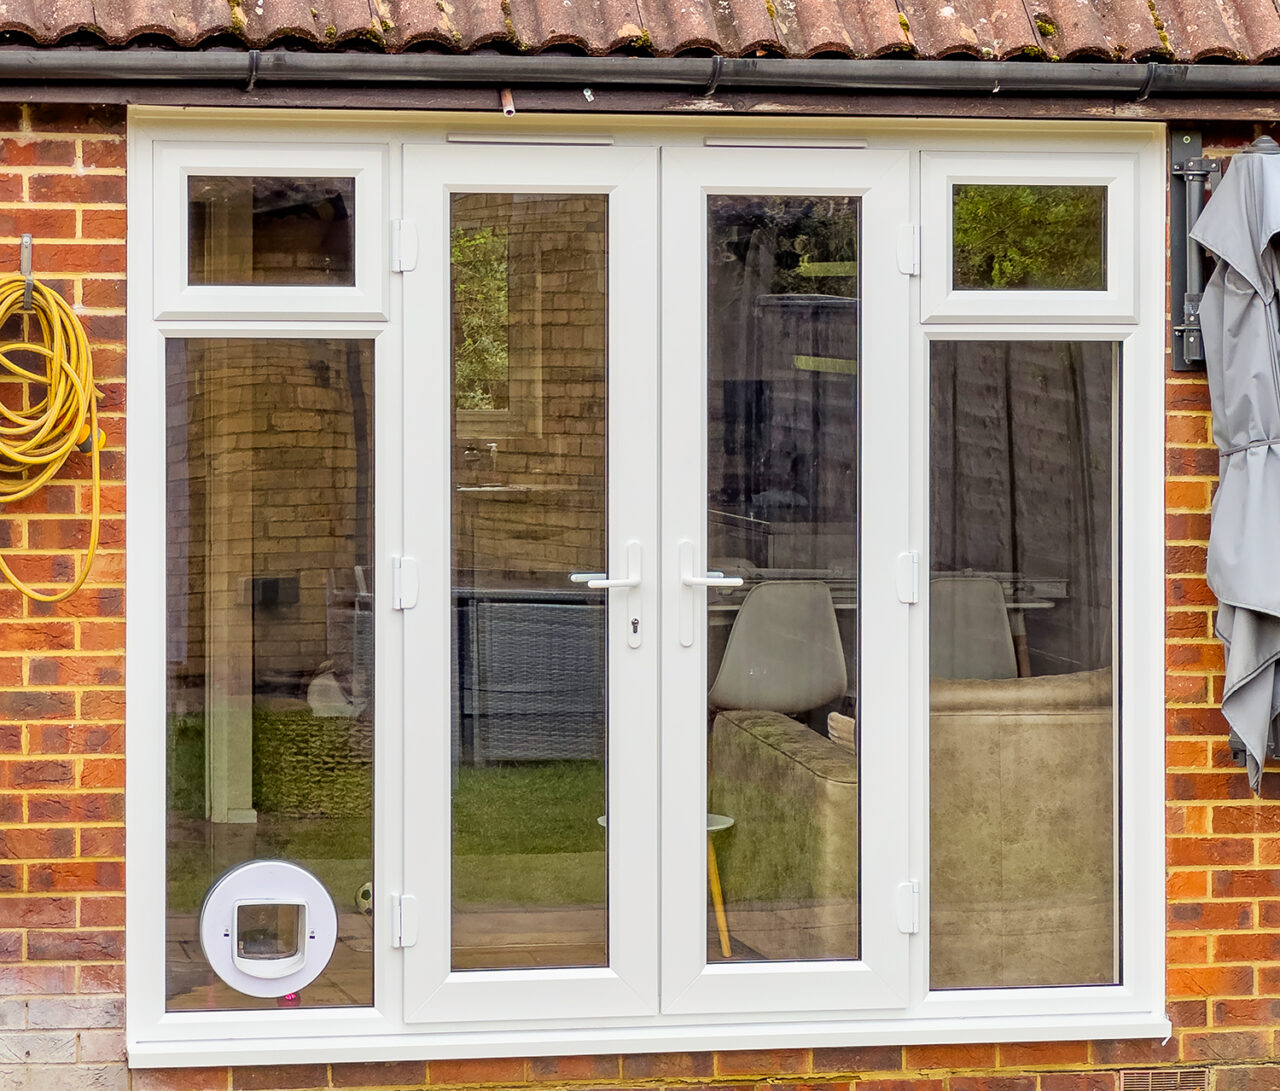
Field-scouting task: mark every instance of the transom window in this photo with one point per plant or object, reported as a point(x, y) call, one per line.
point(661, 599)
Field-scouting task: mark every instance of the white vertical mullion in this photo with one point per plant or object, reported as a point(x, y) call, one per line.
point(145, 740)
point(684, 473)
point(632, 431)
point(426, 500)
point(916, 445)
point(389, 666)
point(885, 664)
point(1141, 547)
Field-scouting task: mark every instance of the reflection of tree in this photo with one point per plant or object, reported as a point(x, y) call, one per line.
point(794, 233)
point(1038, 237)
point(478, 257)
point(781, 299)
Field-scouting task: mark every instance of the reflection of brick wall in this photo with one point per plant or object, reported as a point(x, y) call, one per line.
point(551, 440)
point(264, 481)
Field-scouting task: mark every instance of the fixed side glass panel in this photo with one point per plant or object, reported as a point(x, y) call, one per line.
point(1028, 237)
point(528, 317)
point(269, 642)
point(1022, 605)
point(270, 230)
point(782, 493)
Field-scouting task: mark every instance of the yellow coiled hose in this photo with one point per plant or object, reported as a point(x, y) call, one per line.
point(36, 441)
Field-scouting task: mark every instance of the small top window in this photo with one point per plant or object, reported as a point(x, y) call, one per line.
point(1016, 236)
point(290, 233)
point(275, 230)
point(1029, 238)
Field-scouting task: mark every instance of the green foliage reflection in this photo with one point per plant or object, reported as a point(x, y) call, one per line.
point(1029, 237)
point(478, 258)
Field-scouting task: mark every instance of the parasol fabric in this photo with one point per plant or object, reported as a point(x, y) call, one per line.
point(1238, 316)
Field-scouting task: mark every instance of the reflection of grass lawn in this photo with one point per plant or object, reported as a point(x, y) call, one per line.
point(338, 851)
point(526, 834)
point(312, 787)
point(523, 833)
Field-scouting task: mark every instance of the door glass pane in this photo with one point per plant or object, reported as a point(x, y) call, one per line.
point(270, 641)
point(782, 496)
point(529, 505)
point(1022, 735)
point(270, 230)
point(1030, 238)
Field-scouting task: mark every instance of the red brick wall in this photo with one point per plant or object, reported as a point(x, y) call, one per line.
point(62, 179)
point(61, 769)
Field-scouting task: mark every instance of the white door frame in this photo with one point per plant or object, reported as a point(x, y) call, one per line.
point(881, 181)
point(628, 985)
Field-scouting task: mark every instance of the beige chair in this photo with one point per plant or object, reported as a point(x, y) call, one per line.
point(784, 652)
point(969, 633)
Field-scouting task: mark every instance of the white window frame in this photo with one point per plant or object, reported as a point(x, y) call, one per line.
point(1117, 171)
point(176, 161)
point(1134, 1008)
point(1139, 772)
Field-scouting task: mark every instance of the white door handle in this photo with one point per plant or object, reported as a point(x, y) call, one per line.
point(600, 581)
point(689, 597)
point(711, 579)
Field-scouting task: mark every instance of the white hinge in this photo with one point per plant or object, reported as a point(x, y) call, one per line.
point(907, 906)
point(404, 583)
point(404, 920)
point(909, 249)
point(404, 246)
point(906, 576)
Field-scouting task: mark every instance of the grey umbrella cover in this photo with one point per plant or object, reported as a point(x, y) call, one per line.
point(1242, 350)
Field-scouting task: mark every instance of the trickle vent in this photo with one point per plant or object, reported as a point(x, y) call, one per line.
point(1165, 1079)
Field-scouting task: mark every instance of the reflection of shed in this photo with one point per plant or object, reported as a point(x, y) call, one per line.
point(789, 405)
point(793, 332)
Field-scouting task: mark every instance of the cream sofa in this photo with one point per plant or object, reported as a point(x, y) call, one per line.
point(788, 865)
point(1022, 872)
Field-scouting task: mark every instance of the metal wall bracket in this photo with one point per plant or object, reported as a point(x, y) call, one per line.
point(24, 267)
point(1190, 171)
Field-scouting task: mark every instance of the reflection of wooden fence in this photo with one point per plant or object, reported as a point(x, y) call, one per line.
point(531, 679)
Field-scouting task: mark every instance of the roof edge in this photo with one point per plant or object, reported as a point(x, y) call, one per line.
point(885, 75)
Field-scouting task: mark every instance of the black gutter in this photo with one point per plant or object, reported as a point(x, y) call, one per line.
point(254, 67)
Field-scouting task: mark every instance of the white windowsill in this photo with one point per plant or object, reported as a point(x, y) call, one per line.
point(692, 1038)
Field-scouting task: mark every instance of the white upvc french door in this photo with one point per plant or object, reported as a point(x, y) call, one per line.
point(531, 714)
point(785, 386)
point(557, 654)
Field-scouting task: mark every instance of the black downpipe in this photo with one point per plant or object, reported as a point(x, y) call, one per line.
point(694, 73)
